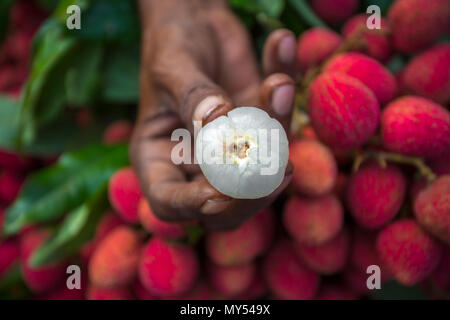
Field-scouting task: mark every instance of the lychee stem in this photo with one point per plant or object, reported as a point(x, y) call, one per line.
point(383, 157)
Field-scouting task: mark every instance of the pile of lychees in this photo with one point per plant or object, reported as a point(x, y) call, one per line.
point(371, 185)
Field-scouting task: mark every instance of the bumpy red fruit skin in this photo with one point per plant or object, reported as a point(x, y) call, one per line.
point(9, 253)
point(315, 45)
point(231, 281)
point(156, 226)
point(118, 293)
point(115, 260)
point(124, 194)
point(428, 74)
point(432, 208)
point(408, 251)
point(10, 185)
point(315, 170)
point(238, 246)
point(328, 258)
point(167, 269)
point(377, 42)
point(119, 131)
point(44, 278)
point(375, 194)
point(313, 221)
point(415, 126)
point(335, 11)
point(287, 277)
point(369, 71)
point(416, 24)
point(344, 112)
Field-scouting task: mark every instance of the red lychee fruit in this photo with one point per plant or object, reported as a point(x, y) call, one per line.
point(257, 290)
point(409, 252)
point(108, 223)
point(416, 24)
point(124, 194)
point(231, 281)
point(344, 112)
point(13, 162)
point(238, 246)
point(335, 12)
point(428, 74)
point(367, 70)
point(375, 194)
point(115, 260)
point(119, 131)
point(44, 278)
point(201, 291)
point(154, 225)
point(328, 258)
point(415, 126)
point(315, 45)
point(10, 184)
point(441, 276)
point(9, 253)
point(142, 293)
point(315, 170)
point(313, 221)
point(287, 277)
point(117, 293)
point(364, 253)
point(377, 42)
point(432, 208)
point(167, 269)
point(336, 292)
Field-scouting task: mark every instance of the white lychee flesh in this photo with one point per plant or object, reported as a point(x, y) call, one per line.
point(244, 154)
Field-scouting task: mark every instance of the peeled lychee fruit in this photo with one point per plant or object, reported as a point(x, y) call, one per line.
point(313, 221)
point(432, 208)
point(335, 12)
point(315, 170)
point(238, 246)
point(44, 278)
point(408, 251)
point(416, 24)
point(369, 71)
point(10, 184)
point(231, 281)
point(328, 258)
point(287, 277)
point(415, 126)
point(156, 226)
point(115, 260)
point(249, 148)
point(117, 293)
point(119, 131)
point(428, 74)
point(315, 45)
point(377, 42)
point(167, 269)
point(375, 194)
point(343, 111)
point(124, 194)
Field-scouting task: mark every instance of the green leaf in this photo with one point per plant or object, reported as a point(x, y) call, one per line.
point(106, 20)
point(271, 8)
point(77, 228)
point(307, 14)
point(392, 290)
point(9, 116)
point(5, 7)
point(56, 190)
point(121, 75)
point(48, 4)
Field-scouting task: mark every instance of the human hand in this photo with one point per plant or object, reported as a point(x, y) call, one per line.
point(197, 63)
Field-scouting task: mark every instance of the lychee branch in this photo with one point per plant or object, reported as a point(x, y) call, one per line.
point(383, 157)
